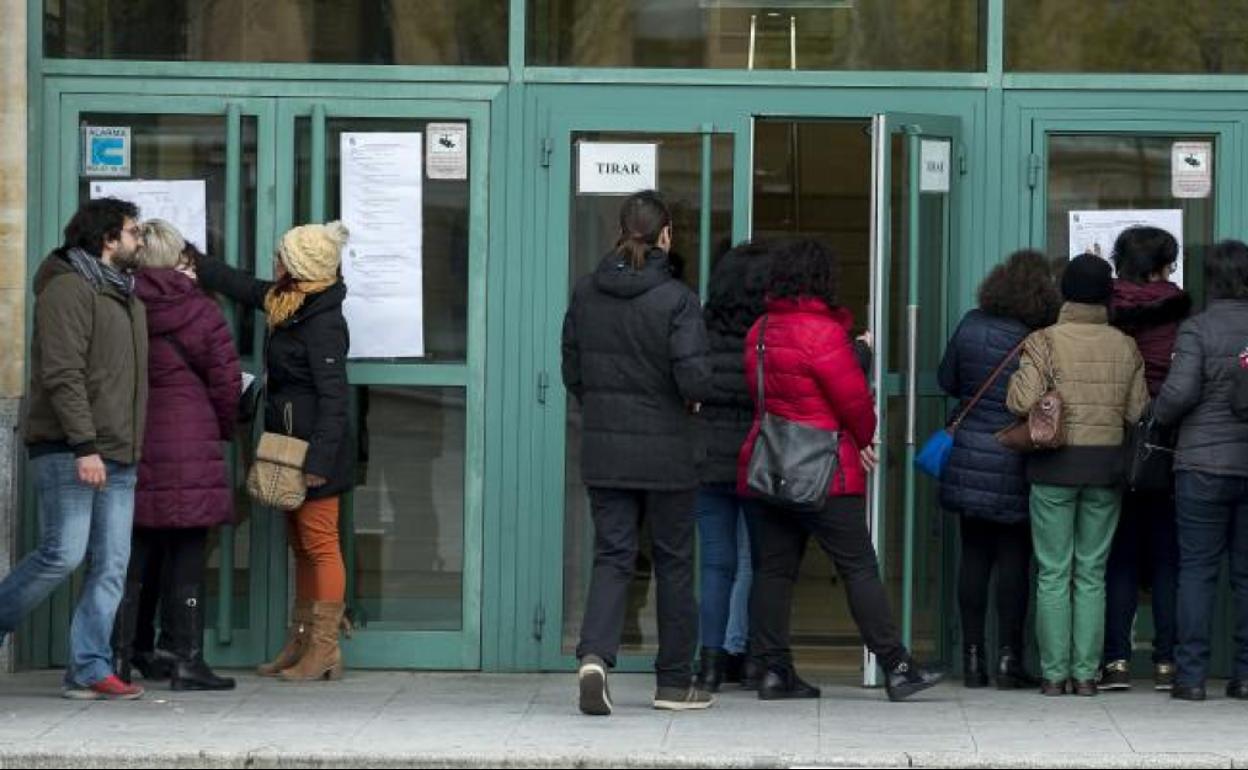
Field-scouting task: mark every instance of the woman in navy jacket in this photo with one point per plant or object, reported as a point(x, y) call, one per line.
point(984, 483)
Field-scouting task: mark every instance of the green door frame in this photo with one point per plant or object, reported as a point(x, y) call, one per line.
point(565, 110)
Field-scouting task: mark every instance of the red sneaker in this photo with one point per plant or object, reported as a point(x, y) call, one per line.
point(108, 688)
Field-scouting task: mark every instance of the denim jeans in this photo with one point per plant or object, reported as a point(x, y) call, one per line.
point(726, 574)
point(1145, 550)
point(1213, 521)
point(76, 520)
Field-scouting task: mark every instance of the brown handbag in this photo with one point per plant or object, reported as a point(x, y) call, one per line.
point(1043, 428)
point(276, 476)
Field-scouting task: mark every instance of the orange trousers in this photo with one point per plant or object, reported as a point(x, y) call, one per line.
point(312, 532)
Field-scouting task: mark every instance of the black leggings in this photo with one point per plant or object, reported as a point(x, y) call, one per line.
point(1008, 547)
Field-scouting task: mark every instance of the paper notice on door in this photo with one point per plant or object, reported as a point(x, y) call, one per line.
point(1191, 169)
point(447, 151)
point(934, 165)
point(382, 207)
point(1094, 232)
point(613, 168)
point(181, 203)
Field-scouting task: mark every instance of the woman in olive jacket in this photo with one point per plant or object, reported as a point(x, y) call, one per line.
point(307, 397)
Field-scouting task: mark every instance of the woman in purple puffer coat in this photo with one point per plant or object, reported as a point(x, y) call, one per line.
point(183, 489)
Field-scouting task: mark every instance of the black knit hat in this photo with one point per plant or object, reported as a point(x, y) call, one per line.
point(1088, 279)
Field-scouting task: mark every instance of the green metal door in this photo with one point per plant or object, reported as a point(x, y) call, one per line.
point(706, 144)
point(1095, 160)
point(411, 531)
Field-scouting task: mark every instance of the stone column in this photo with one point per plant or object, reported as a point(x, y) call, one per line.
point(12, 270)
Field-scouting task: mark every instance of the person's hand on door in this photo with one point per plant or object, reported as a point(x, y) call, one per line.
point(869, 458)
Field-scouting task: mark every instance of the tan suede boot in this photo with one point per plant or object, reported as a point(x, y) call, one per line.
point(296, 640)
point(323, 658)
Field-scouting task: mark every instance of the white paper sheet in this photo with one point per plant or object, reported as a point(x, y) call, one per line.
point(181, 203)
point(1094, 232)
point(382, 206)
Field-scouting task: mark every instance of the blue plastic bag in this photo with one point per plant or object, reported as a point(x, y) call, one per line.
point(934, 455)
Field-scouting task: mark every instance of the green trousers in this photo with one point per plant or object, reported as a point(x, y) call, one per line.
point(1072, 528)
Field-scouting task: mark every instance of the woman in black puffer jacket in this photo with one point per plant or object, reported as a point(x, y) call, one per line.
point(635, 357)
point(735, 301)
point(984, 482)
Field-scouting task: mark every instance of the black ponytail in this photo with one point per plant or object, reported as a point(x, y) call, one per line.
point(642, 219)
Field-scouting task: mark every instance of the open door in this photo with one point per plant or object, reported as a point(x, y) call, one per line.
point(915, 170)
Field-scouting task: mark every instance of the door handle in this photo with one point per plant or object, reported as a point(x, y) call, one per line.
point(912, 373)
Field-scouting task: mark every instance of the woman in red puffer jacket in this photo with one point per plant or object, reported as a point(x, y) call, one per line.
point(812, 376)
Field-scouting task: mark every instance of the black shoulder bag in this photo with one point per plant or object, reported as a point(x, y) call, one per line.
point(791, 465)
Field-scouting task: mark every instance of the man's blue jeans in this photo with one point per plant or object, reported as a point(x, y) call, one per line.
point(75, 520)
point(725, 568)
point(1213, 521)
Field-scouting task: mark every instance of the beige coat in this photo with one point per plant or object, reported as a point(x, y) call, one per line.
point(1099, 374)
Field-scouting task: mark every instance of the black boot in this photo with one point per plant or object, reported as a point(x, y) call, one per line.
point(1010, 672)
point(711, 673)
point(785, 684)
point(190, 672)
point(154, 664)
point(123, 630)
point(752, 673)
point(734, 668)
point(974, 668)
point(906, 678)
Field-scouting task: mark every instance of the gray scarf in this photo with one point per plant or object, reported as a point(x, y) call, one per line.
point(99, 274)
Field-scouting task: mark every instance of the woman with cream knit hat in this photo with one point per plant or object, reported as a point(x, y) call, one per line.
point(306, 358)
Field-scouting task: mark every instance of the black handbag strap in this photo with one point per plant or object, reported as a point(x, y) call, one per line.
point(760, 347)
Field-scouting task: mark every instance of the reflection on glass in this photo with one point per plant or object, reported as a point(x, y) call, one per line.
point(1115, 36)
point(594, 230)
point(446, 219)
point(193, 147)
point(738, 34)
point(1125, 171)
point(408, 508)
point(446, 32)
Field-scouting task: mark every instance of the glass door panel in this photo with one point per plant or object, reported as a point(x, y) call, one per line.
point(915, 178)
point(411, 528)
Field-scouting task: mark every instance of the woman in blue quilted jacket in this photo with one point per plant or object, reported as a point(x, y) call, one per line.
point(984, 483)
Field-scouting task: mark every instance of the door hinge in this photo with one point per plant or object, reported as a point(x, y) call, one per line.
point(1033, 170)
point(539, 621)
point(962, 164)
point(543, 385)
point(547, 150)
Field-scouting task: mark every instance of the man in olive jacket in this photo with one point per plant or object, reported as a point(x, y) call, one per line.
point(84, 423)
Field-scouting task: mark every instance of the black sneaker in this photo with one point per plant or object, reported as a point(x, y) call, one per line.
point(1115, 676)
point(1237, 689)
point(595, 697)
point(906, 678)
point(1186, 692)
point(1163, 677)
point(682, 699)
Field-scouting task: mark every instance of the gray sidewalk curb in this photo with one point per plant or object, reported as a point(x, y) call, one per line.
point(266, 758)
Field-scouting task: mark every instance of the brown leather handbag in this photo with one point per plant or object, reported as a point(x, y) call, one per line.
point(1043, 428)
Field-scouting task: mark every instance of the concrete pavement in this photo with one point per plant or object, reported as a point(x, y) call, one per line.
point(405, 719)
